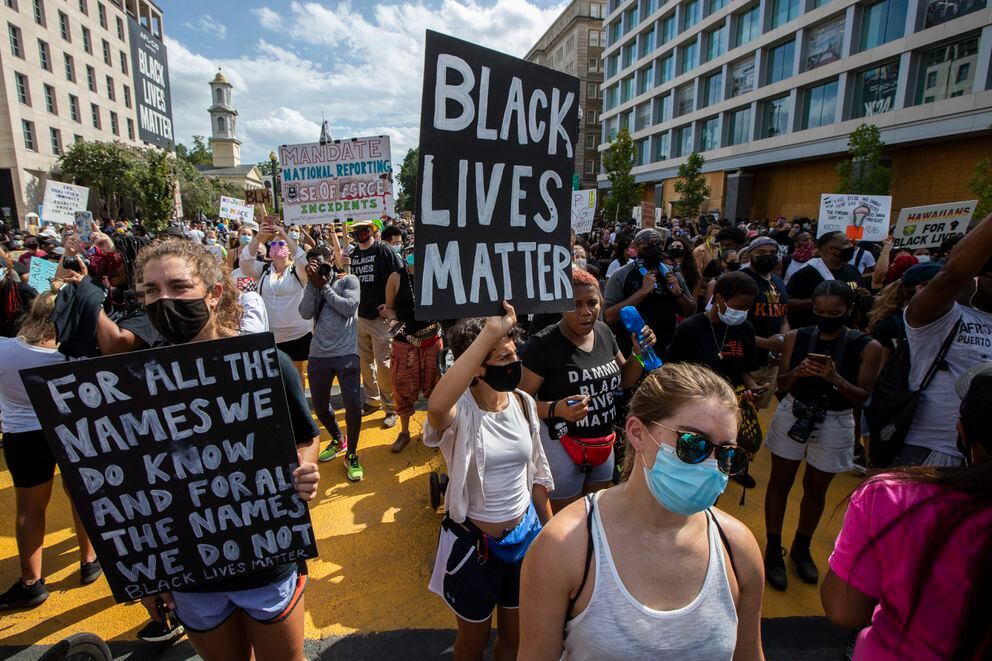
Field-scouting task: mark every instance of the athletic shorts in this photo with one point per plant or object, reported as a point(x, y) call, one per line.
point(830, 447)
point(569, 480)
point(472, 586)
point(298, 350)
point(29, 459)
point(201, 612)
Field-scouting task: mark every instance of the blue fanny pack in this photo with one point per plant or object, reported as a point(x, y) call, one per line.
point(514, 545)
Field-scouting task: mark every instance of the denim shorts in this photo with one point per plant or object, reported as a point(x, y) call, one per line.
point(201, 612)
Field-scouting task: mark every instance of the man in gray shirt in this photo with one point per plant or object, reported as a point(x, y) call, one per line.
point(331, 299)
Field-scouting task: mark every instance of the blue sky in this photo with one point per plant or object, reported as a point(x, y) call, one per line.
point(360, 63)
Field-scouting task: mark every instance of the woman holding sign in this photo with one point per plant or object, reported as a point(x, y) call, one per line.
point(189, 297)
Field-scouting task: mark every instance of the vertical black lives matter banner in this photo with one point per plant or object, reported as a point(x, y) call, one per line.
point(497, 154)
point(179, 461)
point(153, 100)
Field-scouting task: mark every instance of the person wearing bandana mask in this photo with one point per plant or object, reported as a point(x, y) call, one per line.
point(833, 263)
point(803, 250)
point(498, 482)
point(650, 569)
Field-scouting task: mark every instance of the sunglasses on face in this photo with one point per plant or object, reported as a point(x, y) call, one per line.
point(694, 448)
point(277, 244)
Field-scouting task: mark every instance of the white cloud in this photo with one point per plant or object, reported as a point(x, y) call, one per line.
point(207, 25)
point(364, 72)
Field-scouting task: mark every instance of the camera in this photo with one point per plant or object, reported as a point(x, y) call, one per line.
point(72, 263)
point(324, 270)
point(807, 417)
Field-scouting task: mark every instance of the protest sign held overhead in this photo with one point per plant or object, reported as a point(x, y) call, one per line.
point(339, 180)
point(41, 273)
point(583, 210)
point(497, 140)
point(860, 217)
point(234, 209)
point(179, 461)
point(929, 226)
point(62, 201)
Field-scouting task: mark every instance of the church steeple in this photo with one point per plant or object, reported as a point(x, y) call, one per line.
point(223, 124)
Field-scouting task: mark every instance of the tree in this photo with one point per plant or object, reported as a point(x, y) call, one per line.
point(267, 168)
point(864, 173)
point(155, 179)
point(691, 186)
point(624, 194)
point(201, 154)
point(981, 185)
point(108, 169)
point(407, 199)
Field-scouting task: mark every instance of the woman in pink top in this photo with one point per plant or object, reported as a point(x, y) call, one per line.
point(911, 563)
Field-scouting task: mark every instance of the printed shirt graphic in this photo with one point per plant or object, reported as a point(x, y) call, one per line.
point(768, 310)
point(373, 266)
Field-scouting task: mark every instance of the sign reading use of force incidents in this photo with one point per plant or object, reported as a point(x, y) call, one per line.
point(497, 137)
point(179, 461)
point(339, 180)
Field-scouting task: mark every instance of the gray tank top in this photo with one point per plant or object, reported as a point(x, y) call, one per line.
point(614, 625)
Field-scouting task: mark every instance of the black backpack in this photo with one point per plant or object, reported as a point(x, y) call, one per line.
point(893, 404)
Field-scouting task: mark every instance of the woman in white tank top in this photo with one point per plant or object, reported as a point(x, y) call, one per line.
point(665, 576)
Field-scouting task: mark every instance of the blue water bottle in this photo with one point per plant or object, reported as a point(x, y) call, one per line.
point(662, 271)
point(633, 322)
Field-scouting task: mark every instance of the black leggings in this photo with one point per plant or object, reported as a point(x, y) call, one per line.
point(321, 373)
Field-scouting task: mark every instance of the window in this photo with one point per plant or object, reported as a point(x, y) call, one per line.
point(56, 137)
point(691, 13)
point(70, 69)
point(780, 60)
point(612, 94)
point(642, 116)
point(590, 141)
point(667, 29)
point(820, 106)
point(38, 9)
point(612, 65)
point(15, 40)
point(713, 89)
point(874, 90)
point(95, 114)
point(784, 11)
point(120, 28)
point(127, 96)
point(709, 134)
point(645, 78)
point(882, 22)
point(665, 69)
point(87, 45)
point(596, 10)
point(716, 5)
point(592, 117)
point(629, 19)
point(44, 57)
point(114, 128)
point(50, 104)
point(683, 141)
point(590, 167)
point(825, 43)
point(775, 118)
point(627, 56)
point(663, 109)
point(716, 42)
point(614, 32)
point(740, 127)
point(123, 63)
point(130, 129)
point(940, 11)
point(74, 109)
point(28, 129)
point(82, 8)
point(662, 146)
point(690, 57)
point(64, 27)
point(23, 91)
point(748, 26)
point(685, 99)
point(641, 152)
point(592, 90)
point(592, 65)
point(110, 89)
point(742, 76)
point(646, 42)
point(106, 53)
point(627, 89)
point(101, 11)
point(594, 37)
point(948, 71)
point(91, 78)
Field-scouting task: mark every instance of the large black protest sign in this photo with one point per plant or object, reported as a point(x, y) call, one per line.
point(179, 461)
point(153, 98)
point(497, 154)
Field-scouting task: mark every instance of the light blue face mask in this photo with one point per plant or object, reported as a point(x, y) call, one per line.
point(680, 487)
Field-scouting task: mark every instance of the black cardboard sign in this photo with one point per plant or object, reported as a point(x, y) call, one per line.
point(497, 153)
point(179, 461)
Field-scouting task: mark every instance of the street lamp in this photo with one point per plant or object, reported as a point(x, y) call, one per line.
point(275, 181)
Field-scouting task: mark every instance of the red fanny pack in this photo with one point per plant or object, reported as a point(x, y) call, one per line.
point(588, 452)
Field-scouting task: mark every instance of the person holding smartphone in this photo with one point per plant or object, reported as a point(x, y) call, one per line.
point(830, 370)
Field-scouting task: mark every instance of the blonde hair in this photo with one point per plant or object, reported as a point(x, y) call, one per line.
point(36, 325)
point(207, 268)
point(893, 298)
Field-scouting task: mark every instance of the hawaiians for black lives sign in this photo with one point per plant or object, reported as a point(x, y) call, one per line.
point(497, 154)
point(179, 461)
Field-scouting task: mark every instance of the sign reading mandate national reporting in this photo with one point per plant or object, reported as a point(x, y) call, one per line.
point(179, 460)
point(497, 154)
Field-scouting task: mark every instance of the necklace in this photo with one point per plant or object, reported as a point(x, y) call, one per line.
point(719, 345)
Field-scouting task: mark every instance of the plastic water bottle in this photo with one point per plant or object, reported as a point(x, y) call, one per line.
point(633, 322)
point(662, 271)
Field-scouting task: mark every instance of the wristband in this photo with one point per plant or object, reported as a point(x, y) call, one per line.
point(551, 411)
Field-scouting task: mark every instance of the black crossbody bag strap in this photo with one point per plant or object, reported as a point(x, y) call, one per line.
point(938, 362)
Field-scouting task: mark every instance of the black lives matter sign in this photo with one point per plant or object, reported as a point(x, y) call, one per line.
point(179, 461)
point(497, 154)
point(153, 100)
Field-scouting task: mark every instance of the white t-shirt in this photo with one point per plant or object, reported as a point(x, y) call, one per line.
point(934, 425)
point(282, 295)
point(867, 260)
point(255, 319)
point(16, 413)
point(196, 236)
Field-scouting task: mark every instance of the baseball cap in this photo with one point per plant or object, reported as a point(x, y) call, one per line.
point(920, 273)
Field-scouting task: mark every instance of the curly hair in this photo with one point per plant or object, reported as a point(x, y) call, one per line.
point(206, 267)
point(461, 336)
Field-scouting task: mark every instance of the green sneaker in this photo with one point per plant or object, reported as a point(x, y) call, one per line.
point(355, 471)
point(336, 448)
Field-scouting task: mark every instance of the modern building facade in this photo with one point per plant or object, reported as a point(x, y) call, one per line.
point(75, 70)
point(574, 45)
point(224, 140)
point(770, 90)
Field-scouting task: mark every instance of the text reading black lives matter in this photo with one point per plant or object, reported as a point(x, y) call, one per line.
point(497, 154)
point(179, 460)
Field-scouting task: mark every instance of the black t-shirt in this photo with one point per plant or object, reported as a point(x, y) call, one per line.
point(891, 331)
point(697, 340)
point(768, 310)
point(373, 267)
point(813, 389)
point(568, 370)
point(805, 280)
point(405, 308)
point(659, 309)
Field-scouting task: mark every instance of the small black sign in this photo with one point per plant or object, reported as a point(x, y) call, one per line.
point(497, 154)
point(179, 461)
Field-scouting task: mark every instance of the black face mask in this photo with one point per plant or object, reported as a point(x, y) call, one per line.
point(846, 254)
point(676, 253)
point(651, 255)
point(178, 320)
point(764, 263)
point(829, 324)
point(362, 237)
point(503, 378)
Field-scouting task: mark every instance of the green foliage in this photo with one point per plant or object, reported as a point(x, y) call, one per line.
point(154, 188)
point(267, 168)
point(864, 173)
point(624, 194)
point(201, 154)
point(407, 199)
point(108, 169)
point(981, 185)
point(691, 187)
